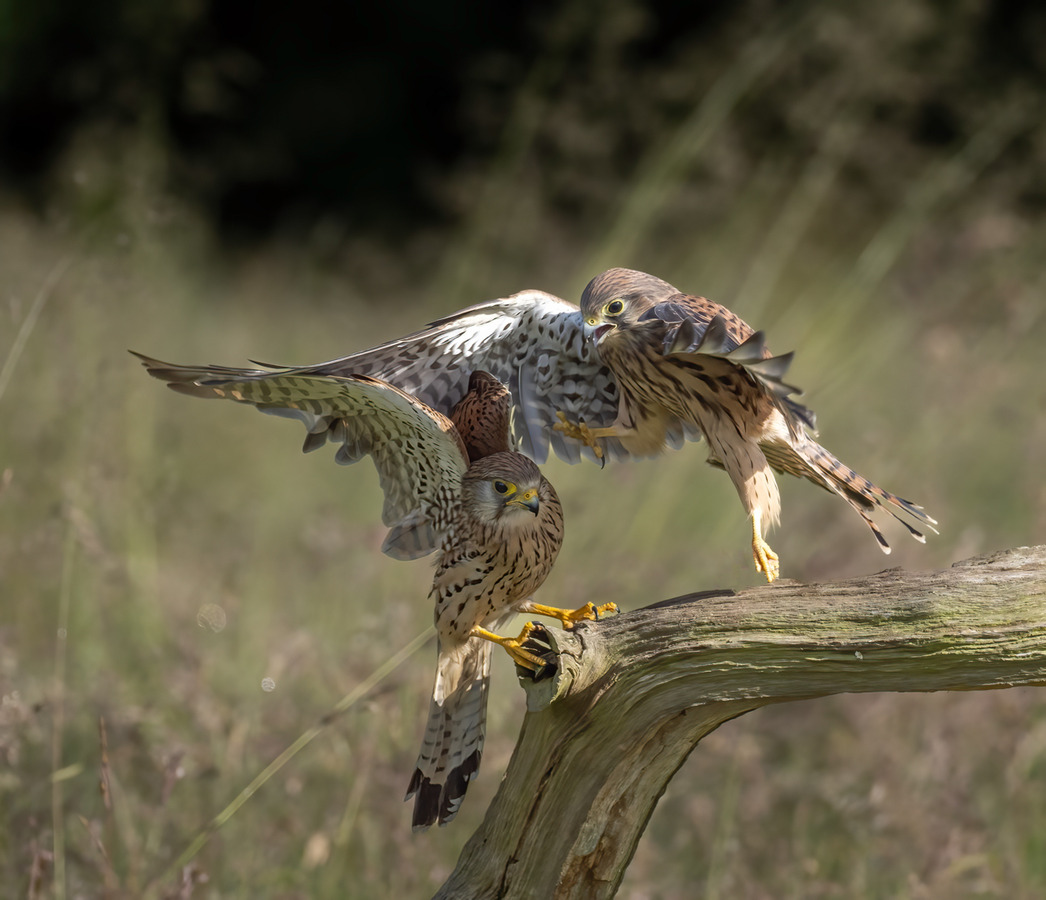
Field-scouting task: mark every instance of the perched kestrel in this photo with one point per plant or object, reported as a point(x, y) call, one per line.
point(496, 522)
point(638, 368)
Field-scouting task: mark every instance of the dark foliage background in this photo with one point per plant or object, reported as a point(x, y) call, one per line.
point(363, 112)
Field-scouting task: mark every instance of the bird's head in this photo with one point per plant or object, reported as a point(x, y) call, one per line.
point(503, 487)
point(614, 301)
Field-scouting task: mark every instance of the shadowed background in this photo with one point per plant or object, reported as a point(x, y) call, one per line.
point(215, 181)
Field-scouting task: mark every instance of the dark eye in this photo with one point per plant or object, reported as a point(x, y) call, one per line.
point(615, 307)
point(501, 487)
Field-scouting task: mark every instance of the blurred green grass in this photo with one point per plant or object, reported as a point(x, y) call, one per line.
point(188, 551)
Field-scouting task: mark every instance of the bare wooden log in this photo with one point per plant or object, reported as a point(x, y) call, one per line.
point(633, 696)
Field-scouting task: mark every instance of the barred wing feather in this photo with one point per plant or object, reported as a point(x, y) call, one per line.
point(416, 450)
point(533, 342)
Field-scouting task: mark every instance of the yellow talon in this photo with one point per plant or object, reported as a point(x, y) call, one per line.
point(766, 561)
point(570, 617)
point(514, 646)
point(579, 431)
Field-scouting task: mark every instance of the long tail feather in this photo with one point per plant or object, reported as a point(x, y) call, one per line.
point(811, 461)
point(453, 744)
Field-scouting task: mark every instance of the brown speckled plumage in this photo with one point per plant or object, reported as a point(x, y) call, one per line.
point(495, 521)
point(492, 560)
point(675, 356)
point(482, 416)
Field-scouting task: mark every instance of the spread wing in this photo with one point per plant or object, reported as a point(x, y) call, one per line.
point(417, 451)
point(533, 342)
point(731, 352)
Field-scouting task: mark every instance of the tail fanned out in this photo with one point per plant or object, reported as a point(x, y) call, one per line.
point(811, 461)
point(453, 744)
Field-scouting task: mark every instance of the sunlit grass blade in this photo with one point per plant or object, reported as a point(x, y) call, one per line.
point(14, 354)
point(58, 725)
point(346, 703)
point(670, 159)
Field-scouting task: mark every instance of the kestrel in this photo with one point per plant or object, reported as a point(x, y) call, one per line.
point(496, 523)
point(638, 368)
point(677, 355)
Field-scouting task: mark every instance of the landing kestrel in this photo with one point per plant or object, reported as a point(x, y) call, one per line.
point(638, 368)
point(675, 355)
point(496, 522)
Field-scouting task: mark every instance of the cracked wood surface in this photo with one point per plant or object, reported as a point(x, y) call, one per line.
point(634, 694)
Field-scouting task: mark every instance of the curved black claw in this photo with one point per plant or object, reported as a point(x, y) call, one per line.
point(538, 644)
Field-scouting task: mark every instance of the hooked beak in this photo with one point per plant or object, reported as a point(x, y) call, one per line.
point(595, 332)
point(527, 500)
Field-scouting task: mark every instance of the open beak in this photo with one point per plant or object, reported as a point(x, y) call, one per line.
point(528, 500)
point(595, 333)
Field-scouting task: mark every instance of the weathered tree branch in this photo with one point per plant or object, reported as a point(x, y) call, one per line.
point(633, 695)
